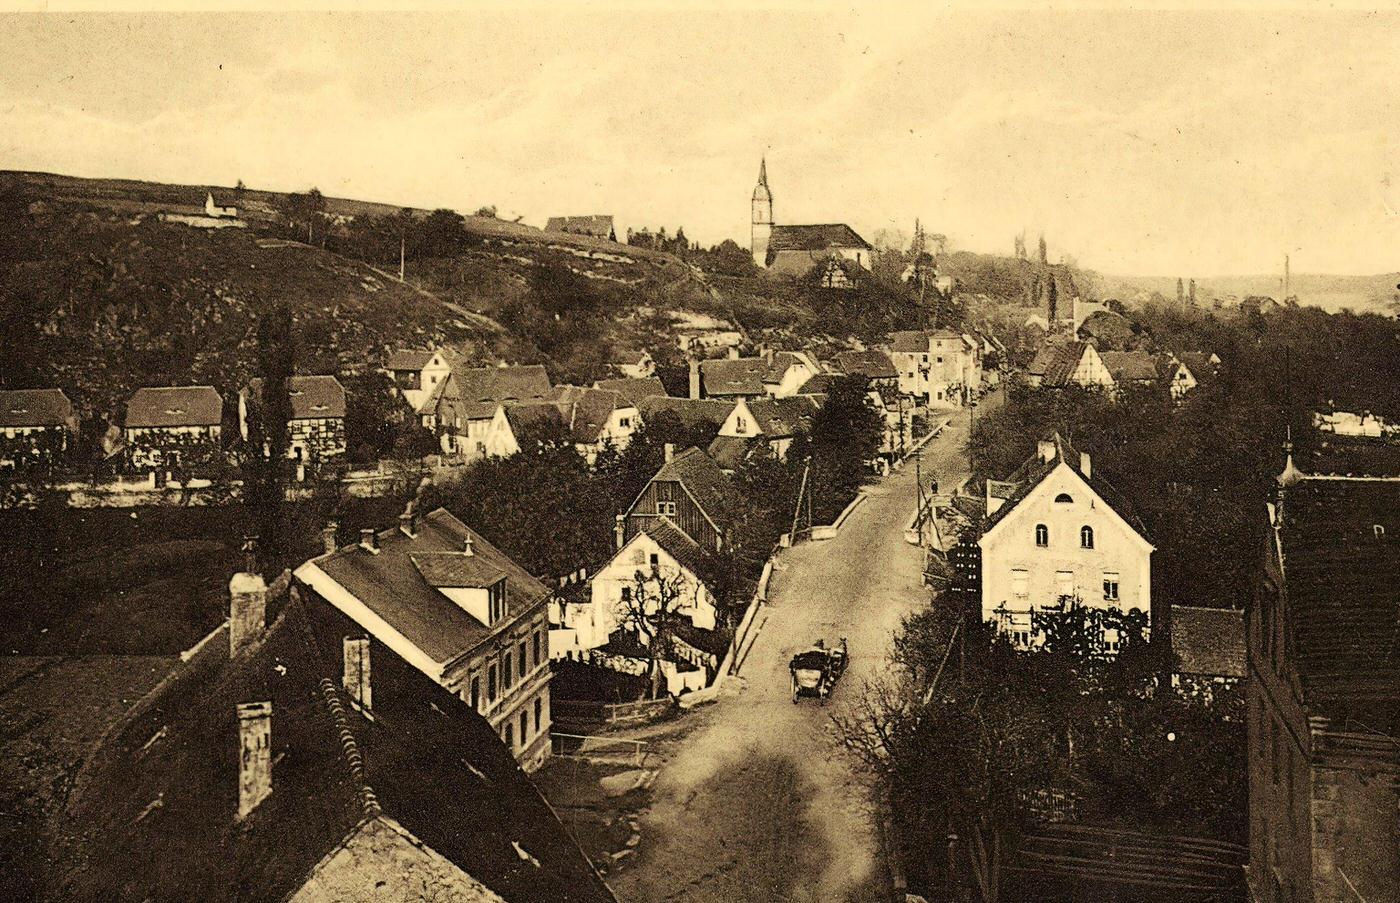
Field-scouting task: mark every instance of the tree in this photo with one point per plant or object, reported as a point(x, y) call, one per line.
point(1041, 253)
point(268, 438)
point(845, 435)
point(650, 610)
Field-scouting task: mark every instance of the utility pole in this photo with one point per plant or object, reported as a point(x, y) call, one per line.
point(403, 241)
point(797, 510)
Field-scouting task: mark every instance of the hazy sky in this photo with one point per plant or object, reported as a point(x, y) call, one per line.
point(1150, 143)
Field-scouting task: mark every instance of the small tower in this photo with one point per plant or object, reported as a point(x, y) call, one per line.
point(762, 216)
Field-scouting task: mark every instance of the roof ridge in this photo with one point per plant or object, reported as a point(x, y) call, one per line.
point(350, 749)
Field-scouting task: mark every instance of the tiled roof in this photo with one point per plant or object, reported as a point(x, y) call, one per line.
point(909, 341)
point(169, 406)
point(1055, 364)
point(501, 383)
point(1198, 362)
point(34, 407)
point(156, 822)
point(392, 585)
point(782, 418)
point(312, 397)
point(731, 451)
point(452, 570)
point(678, 545)
point(742, 376)
point(538, 419)
point(1342, 584)
point(408, 360)
point(706, 482)
point(819, 385)
point(691, 411)
point(632, 388)
point(1130, 366)
point(1208, 641)
point(870, 364)
point(587, 411)
point(815, 238)
point(595, 224)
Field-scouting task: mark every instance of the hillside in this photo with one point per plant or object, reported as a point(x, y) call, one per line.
point(1362, 294)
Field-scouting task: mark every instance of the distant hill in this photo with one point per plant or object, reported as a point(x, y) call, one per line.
point(1362, 294)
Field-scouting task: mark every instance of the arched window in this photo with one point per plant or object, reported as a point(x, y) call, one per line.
point(1064, 498)
point(1042, 535)
point(1086, 537)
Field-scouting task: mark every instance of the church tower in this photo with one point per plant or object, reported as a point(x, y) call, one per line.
point(762, 216)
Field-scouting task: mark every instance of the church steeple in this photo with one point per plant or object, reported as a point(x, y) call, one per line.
point(762, 216)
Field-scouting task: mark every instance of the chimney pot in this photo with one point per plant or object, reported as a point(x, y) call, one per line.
point(1086, 465)
point(694, 378)
point(408, 523)
point(369, 541)
point(328, 536)
point(247, 610)
point(1046, 450)
point(620, 531)
point(254, 755)
point(669, 451)
point(356, 679)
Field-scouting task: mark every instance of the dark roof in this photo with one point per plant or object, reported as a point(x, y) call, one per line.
point(521, 383)
point(731, 451)
point(1055, 364)
point(448, 570)
point(815, 238)
point(1208, 641)
point(536, 420)
point(870, 364)
point(1342, 585)
point(587, 411)
point(392, 584)
point(1198, 362)
point(596, 224)
point(1107, 325)
point(157, 818)
point(312, 397)
point(1129, 366)
point(909, 341)
point(741, 376)
point(691, 411)
point(782, 418)
point(706, 482)
point(412, 359)
point(34, 407)
point(634, 389)
point(819, 385)
point(175, 406)
point(677, 544)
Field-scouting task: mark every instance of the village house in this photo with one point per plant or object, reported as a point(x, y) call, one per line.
point(1058, 365)
point(316, 430)
point(1323, 694)
point(464, 409)
point(633, 389)
point(699, 414)
point(1204, 365)
point(35, 427)
point(938, 368)
point(693, 493)
point(1173, 373)
point(457, 609)
point(1130, 368)
point(794, 250)
point(772, 422)
point(1351, 424)
point(598, 225)
point(592, 419)
point(633, 363)
point(290, 762)
point(217, 212)
point(418, 375)
point(875, 365)
point(169, 428)
point(779, 374)
point(1055, 531)
point(1209, 647)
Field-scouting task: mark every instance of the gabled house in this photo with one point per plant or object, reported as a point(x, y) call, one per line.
point(1055, 531)
point(633, 363)
point(419, 375)
point(35, 426)
point(1175, 375)
point(779, 374)
point(633, 389)
point(1069, 363)
point(707, 413)
point(1323, 693)
point(464, 408)
point(216, 211)
point(173, 427)
point(938, 368)
point(873, 364)
point(306, 762)
point(693, 493)
point(456, 608)
point(316, 429)
point(774, 422)
point(596, 418)
point(1209, 647)
point(1204, 365)
point(1130, 368)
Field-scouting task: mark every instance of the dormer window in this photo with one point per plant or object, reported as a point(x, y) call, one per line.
point(1064, 498)
point(1042, 536)
point(496, 594)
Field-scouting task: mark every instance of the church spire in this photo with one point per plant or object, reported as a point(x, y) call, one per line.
point(763, 171)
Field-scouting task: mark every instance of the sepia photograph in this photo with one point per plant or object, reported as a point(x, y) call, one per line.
point(699, 452)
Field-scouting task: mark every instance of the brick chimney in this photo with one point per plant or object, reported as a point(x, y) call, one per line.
point(356, 676)
point(254, 755)
point(1086, 465)
point(620, 530)
point(369, 540)
point(247, 611)
point(1045, 450)
point(328, 536)
point(694, 378)
point(669, 450)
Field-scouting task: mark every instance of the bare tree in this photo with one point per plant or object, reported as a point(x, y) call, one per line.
point(650, 607)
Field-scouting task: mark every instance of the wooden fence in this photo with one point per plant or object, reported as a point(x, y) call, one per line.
point(611, 712)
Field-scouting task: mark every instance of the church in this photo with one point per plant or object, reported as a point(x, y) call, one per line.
point(795, 250)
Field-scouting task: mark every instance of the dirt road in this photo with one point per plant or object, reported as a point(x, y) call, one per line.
point(760, 803)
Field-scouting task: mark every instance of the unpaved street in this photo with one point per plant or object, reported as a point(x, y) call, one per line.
point(760, 803)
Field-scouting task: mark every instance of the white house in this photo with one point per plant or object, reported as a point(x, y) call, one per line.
point(633, 363)
point(214, 210)
point(419, 375)
point(940, 368)
point(1069, 363)
point(659, 549)
point(1051, 534)
point(774, 421)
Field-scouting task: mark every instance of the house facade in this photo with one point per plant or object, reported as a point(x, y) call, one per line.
point(316, 431)
point(462, 410)
point(1058, 365)
point(457, 609)
point(1052, 535)
point(418, 375)
point(693, 493)
point(168, 428)
point(1323, 694)
point(940, 368)
point(774, 422)
point(35, 427)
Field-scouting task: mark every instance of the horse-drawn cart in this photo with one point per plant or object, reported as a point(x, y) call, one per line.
point(816, 670)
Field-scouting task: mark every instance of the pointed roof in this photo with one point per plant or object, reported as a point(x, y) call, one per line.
point(763, 171)
point(1055, 364)
point(312, 397)
point(705, 481)
point(34, 407)
point(633, 389)
point(169, 406)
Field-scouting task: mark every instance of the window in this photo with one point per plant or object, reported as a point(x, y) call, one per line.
point(1110, 587)
point(624, 422)
point(1086, 537)
point(740, 425)
point(1064, 583)
point(524, 727)
point(497, 595)
point(667, 508)
point(627, 594)
point(1064, 498)
point(476, 692)
point(940, 359)
point(1020, 582)
point(507, 672)
point(654, 559)
point(537, 649)
point(509, 737)
point(1042, 536)
point(539, 707)
point(523, 665)
point(491, 684)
